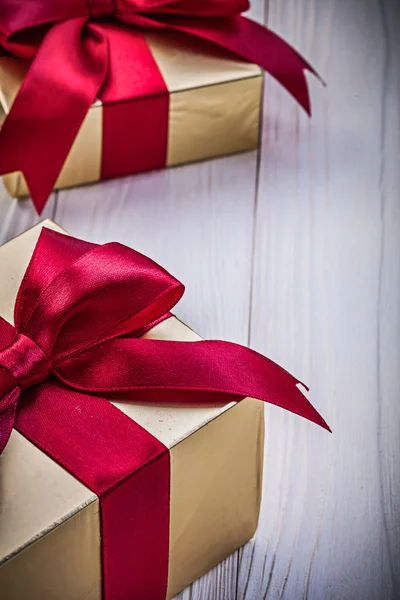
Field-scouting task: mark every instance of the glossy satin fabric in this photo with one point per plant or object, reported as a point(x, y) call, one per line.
point(78, 315)
point(72, 42)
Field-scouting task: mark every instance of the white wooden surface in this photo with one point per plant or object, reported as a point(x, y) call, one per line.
point(296, 251)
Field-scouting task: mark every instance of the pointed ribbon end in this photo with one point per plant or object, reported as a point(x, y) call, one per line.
point(39, 202)
point(40, 186)
point(317, 75)
point(40, 183)
point(305, 101)
point(314, 415)
point(323, 423)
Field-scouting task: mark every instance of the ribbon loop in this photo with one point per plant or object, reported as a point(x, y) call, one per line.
point(26, 361)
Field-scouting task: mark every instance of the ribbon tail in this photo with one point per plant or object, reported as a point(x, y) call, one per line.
point(121, 365)
point(257, 44)
point(61, 84)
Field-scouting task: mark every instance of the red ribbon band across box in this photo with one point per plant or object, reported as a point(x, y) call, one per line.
point(70, 46)
point(78, 314)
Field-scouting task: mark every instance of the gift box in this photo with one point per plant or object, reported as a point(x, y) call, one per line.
point(109, 91)
point(59, 539)
point(214, 110)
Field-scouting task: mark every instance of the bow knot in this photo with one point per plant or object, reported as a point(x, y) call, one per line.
point(100, 8)
point(26, 361)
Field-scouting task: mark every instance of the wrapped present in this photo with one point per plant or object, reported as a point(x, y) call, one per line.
point(97, 89)
point(130, 449)
point(214, 109)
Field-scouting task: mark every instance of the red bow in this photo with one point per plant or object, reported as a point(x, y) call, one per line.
point(70, 41)
point(78, 314)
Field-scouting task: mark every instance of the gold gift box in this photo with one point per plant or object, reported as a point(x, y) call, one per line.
point(215, 107)
point(49, 521)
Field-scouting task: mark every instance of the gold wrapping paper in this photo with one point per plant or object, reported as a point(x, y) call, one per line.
point(49, 522)
point(214, 109)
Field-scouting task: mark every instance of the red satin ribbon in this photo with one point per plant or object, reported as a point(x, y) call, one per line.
point(78, 314)
point(73, 45)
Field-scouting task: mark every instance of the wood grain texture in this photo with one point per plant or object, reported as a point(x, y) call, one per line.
point(325, 302)
point(297, 252)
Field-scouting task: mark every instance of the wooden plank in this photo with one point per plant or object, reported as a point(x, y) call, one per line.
point(325, 299)
point(196, 220)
